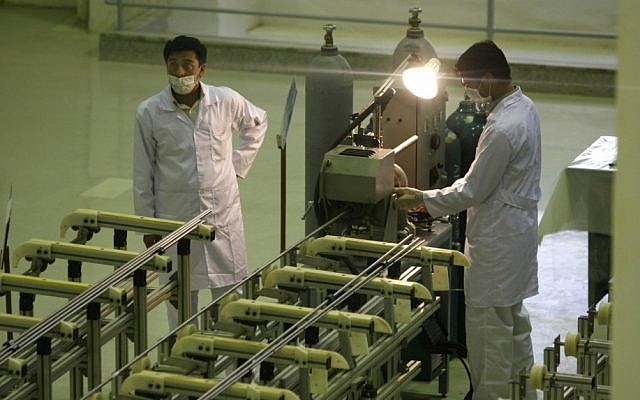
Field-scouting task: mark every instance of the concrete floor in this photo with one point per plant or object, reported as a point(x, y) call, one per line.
point(66, 138)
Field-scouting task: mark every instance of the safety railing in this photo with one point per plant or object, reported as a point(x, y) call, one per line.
point(489, 28)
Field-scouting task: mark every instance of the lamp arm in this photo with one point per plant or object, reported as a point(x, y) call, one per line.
point(377, 101)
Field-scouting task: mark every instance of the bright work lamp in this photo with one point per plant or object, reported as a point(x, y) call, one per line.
point(422, 81)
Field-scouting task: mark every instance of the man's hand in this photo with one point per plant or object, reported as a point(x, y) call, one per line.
point(150, 240)
point(408, 198)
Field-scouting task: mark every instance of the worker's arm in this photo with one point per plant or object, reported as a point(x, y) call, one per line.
point(251, 124)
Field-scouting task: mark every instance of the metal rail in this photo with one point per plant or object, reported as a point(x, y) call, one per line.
point(197, 314)
point(490, 29)
point(322, 309)
point(14, 347)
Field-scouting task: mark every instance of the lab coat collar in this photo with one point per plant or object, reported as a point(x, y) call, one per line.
point(209, 95)
point(166, 100)
point(505, 101)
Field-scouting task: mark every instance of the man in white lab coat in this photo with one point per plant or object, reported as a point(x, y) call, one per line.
point(500, 192)
point(184, 162)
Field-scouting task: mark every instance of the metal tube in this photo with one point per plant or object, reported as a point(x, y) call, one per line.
point(94, 362)
point(120, 17)
point(122, 342)
point(573, 380)
point(411, 140)
point(184, 280)
point(43, 348)
point(140, 312)
point(491, 18)
point(76, 383)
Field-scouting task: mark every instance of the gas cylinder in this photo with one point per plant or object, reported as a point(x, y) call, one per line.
point(469, 137)
point(463, 115)
point(414, 42)
point(328, 106)
point(406, 115)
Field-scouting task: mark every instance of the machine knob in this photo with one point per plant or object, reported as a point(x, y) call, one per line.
point(435, 141)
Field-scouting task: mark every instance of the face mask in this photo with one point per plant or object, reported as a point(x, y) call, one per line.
point(475, 96)
point(183, 85)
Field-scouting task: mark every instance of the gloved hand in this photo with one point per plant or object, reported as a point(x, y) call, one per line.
point(408, 198)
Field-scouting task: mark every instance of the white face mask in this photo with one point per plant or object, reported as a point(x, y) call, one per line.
point(183, 85)
point(475, 96)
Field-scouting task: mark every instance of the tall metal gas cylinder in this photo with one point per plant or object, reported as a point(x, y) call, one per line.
point(457, 120)
point(328, 105)
point(406, 115)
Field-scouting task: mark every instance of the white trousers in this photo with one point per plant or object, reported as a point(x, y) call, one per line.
point(172, 312)
point(499, 347)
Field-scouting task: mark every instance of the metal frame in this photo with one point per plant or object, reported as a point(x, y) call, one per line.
point(490, 28)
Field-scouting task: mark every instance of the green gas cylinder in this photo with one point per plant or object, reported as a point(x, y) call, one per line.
point(469, 137)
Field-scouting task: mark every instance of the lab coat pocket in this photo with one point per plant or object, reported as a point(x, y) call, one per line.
point(221, 143)
point(176, 205)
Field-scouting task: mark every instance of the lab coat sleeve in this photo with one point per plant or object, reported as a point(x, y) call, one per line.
point(144, 155)
point(251, 124)
point(481, 181)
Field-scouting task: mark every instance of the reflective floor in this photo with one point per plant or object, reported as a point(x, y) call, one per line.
point(66, 122)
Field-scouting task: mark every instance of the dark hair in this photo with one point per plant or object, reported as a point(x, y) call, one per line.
point(483, 57)
point(182, 43)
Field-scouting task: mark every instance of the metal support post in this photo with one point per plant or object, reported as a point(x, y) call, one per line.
point(43, 349)
point(304, 384)
point(491, 19)
point(76, 383)
point(140, 311)
point(184, 280)
point(26, 304)
point(74, 271)
point(94, 371)
point(122, 342)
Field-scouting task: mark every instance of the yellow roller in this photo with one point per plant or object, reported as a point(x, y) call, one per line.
point(605, 312)
point(19, 323)
point(537, 375)
point(50, 250)
point(96, 219)
point(161, 383)
point(253, 310)
point(315, 361)
point(57, 288)
point(297, 277)
point(208, 346)
point(338, 245)
point(571, 342)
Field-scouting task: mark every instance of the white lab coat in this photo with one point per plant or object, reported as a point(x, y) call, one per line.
point(501, 192)
point(182, 168)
